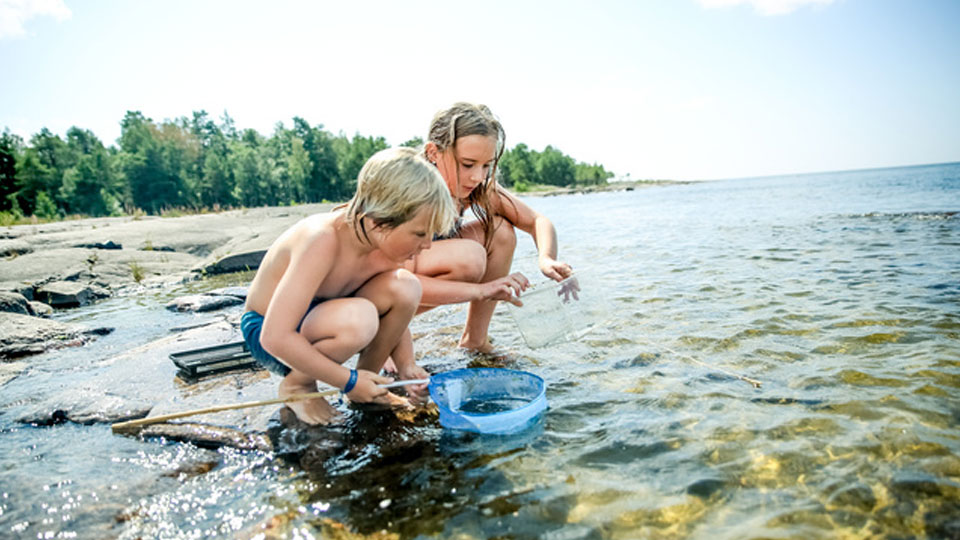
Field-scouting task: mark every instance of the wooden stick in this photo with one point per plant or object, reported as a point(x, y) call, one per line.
point(133, 425)
point(754, 382)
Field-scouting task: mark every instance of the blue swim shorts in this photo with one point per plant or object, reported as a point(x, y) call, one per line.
point(251, 325)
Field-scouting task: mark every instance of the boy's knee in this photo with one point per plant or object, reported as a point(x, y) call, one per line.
point(358, 322)
point(405, 288)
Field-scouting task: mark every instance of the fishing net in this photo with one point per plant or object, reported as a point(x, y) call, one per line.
point(488, 400)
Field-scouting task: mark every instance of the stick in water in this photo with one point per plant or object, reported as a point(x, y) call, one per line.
point(133, 425)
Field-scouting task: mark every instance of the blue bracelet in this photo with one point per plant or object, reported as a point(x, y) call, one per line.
point(351, 383)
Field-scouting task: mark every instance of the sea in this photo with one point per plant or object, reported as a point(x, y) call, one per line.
point(774, 357)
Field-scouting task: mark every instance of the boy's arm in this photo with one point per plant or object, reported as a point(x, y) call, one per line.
point(309, 265)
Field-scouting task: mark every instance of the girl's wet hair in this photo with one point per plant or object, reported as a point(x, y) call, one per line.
point(462, 120)
point(393, 185)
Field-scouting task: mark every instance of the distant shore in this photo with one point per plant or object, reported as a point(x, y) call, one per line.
point(549, 191)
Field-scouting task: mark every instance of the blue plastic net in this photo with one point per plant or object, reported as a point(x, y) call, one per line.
point(488, 400)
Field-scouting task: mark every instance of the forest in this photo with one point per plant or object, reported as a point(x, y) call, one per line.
point(196, 164)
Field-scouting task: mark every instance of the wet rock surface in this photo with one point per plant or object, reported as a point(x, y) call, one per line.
point(69, 264)
point(12, 302)
point(22, 335)
point(203, 302)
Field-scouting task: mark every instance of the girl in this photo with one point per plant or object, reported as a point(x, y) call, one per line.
point(472, 264)
point(332, 286)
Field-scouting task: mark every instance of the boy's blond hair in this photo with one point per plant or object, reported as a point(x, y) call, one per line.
point(393, 185)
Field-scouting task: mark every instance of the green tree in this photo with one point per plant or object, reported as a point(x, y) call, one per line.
point(555, 168)
point(324, 177)
point(46, 208)
point(516, 167)
point(591, 174)
point(10, 148)
point(413, 143)
point(351, 155)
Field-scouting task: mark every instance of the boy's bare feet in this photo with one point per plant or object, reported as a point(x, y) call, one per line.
point(389, 366)
point(311, 411)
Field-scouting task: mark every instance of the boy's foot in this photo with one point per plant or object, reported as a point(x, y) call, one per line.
point(389, 366)
point(311, 411)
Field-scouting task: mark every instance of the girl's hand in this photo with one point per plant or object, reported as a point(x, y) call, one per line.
point(367, 391)
point(419, 394)
point(554, 269)
point(507, 288)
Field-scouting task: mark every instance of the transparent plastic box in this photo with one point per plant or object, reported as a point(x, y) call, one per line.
point(555, 312)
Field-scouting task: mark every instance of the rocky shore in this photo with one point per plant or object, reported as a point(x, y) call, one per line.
point(73, 263)
point(45, 268)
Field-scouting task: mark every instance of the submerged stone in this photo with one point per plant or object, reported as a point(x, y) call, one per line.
point(207, 436)
point(202, 302)
point(22, 335)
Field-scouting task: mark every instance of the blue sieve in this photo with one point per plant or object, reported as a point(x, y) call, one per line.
point(485, 400)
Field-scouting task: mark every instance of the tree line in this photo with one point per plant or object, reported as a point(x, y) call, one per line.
point(197, 163)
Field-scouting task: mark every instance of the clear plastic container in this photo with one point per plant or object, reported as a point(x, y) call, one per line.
point(554, 312)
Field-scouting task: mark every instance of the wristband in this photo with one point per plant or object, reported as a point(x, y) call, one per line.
point(351, 383)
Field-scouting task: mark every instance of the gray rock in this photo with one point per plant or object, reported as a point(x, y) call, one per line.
point(239, 292)
point(13, 248)
point(12, 302)
point(109, 244)
point(202, 302)
point(40, 309)
point(240, 262)
point(207, 436)
point(86, 407)
point(22, 335)
point(20, 287)
point(61, 294)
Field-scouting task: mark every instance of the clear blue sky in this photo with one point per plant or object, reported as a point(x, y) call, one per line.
point(682, 89)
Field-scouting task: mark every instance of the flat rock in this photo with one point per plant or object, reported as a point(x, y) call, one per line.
point(13, 248)
point(12, 302)
point(60, 294)
point(239, 292)
point(202, 302)
point(207, 436)
point(240, 262)
point(22, 335)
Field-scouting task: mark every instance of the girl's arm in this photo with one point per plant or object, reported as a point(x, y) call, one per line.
point(438, 291)
point(539, 227)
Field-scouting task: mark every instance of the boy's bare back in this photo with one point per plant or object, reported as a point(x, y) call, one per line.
point(325, 246)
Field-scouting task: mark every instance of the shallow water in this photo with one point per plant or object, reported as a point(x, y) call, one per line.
point(839, 292)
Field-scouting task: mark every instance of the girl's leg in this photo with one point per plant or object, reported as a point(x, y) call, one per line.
point(456, 259)
point(337, 328)
point(499, 260)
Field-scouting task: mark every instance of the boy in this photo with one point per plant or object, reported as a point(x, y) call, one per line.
point(332, 286)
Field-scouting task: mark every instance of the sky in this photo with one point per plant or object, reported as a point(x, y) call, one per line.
point(653, 89)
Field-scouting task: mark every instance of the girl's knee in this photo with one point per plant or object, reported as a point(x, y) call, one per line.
point(504, 236)
point(471, 265)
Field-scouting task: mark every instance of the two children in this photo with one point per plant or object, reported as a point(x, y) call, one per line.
point(351, 281)
point(332, 286)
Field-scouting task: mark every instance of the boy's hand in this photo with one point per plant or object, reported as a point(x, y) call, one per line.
point(366, 389)
point(419, 394)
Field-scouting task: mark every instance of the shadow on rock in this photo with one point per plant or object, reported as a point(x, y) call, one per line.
point(399, 472)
